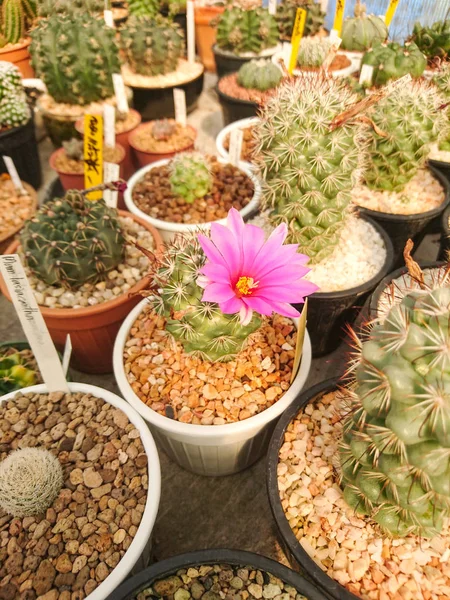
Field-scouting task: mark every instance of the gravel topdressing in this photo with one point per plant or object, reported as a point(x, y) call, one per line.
point(15, 208)
point(436, 154)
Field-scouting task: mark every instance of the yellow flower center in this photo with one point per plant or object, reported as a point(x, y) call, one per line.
point(246, 285)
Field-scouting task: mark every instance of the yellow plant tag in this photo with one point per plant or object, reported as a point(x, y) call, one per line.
point(93, 154)
point(339, 16)
point(300, 339)
point(297, 34)
point(391, 11)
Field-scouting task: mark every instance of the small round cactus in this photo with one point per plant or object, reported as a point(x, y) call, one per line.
point(259, 75)
point(14, 109)
point(163, 129)
point(313, 52)
point(190, 176)
point(30, 479)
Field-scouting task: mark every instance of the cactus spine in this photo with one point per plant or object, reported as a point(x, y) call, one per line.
point(361, 32)
point(433, 41)
point(287, 10)
point(241, 30)
point(259, 75)
point(190, 176)
point(313, 52)
point(70, 7)
point(13, 21)
point(14, 109)
point(392, 61)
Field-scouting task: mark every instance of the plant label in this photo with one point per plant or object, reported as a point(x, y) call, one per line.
point(300, 339)
point(297, 34)
point(93, 154)
point(33, 323)
point(109, 125)
point(109, 20)
point(67, 354)
point(336, 42)
point(17, 182)
point(179, 100)
point(398, 83)
point(190, 18)
point(339, 17)
point(324, 5)
point(120, 93)
point(366, 75)
point(393, 4)
point(236, 138)
point(273, 7)
point(111, 172)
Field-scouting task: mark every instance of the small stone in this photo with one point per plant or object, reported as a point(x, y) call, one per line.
point(63, 564)
point(79, 563)
point(255, 590)
point(101, 572)
point(182, 594)
point(197, 590)
point(92, 479)
point(210, 392)
point(238, 584)
point(101, 491)
point(43, 580)
point(168, 586)
point(41, 528)
point(119, 536)
point(271, 590)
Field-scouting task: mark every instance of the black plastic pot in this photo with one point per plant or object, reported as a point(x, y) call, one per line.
point(234, 109)
point(158, 103)
point(165, 568)
point(296, 555)
point(445, 234)
point(227, 63)
point(442, 167)
point(328, 312)
point(20, 144)
point(401, 228)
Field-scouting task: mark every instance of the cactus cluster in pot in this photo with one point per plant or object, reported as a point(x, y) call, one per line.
point(361, 32)
point(433, 41)
point(190, 176)
point(391, 61)
point(15, 18)
point(286, 13)
point(14, 109)
point(259, 74)
point(313, 52)
point(241, 30)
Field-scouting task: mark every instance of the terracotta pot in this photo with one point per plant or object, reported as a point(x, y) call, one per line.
point(7, 239)
point(205, 34)
point(19, 55)
point(92, 329)
point(144, 157)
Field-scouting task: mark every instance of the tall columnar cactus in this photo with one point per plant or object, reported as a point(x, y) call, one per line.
point(391, 61)
point(76, 57)
point(309, 168)
point(361, 32)
point(286, 13)
point(16, 370)
point(241, 30)
point(72, 241)
point(442, 82)
point(46, 8)
point(190, 176)
point(152, 46)
point(406, 123)
point(259, 74)
point(433, 41)
point(14, 109)
point(16, 15)
point(313, 52)
point(395, 451)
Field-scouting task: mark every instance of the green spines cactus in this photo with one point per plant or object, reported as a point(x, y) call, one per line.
point(17, 370)
point(201, 327)
point(286, 13)
point(391, 61)
point(359, 33)
point(190, 176)
point(442, 82)
point(143, 8)
point(152, 46)
point(46, 8)
point(259, 75)
point(407, 122)
point(72, 241)
point(14, 109)
point(76, 57)
point(433, 41)
point(313, 52)
point(308, 167)
point(13, 20)
point(395, 451)
point(241, 30)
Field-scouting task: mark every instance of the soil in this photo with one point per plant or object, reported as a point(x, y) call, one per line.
point(131, 121)
point(340, 62)
point(182, 138)
point(248, 144)
point(15, 209)
point(65, 164)
point(229, 85)
point(231, 188)
point(185, 73)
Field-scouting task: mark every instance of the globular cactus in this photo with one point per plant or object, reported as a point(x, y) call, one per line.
point(76, 57)
point(313, 52)
point(442, 82)
point(30, 480)
point(72, 241)
point(74, 148)
point(46, 8)
point(201, 327)
point(361, 32)
point(190, 176)
point(14, 109)
point(240, 30)
point(17, 370)
point(143, 8)
point(259, 75)
point(163, 129)
point(152, 46)
point(433, 41)
point(309, 168)
point(287, 11)
point(394, 454)
point(391, 61)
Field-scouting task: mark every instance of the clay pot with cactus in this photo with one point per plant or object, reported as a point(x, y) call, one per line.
point(362, 31)
point(16, 17)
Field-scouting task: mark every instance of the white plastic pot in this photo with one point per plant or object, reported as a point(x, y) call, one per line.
point(212, 450)
point(137, 555)
point(352, 68)
point(169, 230)
point(223, 133)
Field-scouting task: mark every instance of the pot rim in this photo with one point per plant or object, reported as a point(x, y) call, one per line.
point(445, 221)
point(230, 99)
point(148, 518)
point(20, 45)
point(33, 194)
point(80, 121)
point(73, 313)
point(59, 151)
point(240, 124)
point(204, 432)
point(266, 53)
point(167, 85)
point(146, 125)
point(349, 70)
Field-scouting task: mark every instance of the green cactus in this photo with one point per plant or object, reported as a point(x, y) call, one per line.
point(163, 129)
point(433, 41)
point(18, 369)
point(259, 75)
point(72, 241)
point(76, 57)
point(442, 82)
point(46, 8)
point(201, 327)
point(406, 123)
point(240, 30)
point(313, 52)
point(14, 109)
point(143, 8)
point(190, 176)
point(394, 454)
point(152, 46)
point(74, 148)
point(359, 33)
point(391, 61)
point(286, 13)
point(308, 167)
point(10, 79)
point(16, 17)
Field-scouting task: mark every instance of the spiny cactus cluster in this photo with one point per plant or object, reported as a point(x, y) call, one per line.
point(163, 129)
point(152, 46)
point(391, 61)
point(259, 75)
point(47, 8)
point(201, 327)
point(17, 370)
point(16, 16)
point(72, 241)
point(190, 176)
point(313, 52)
point(433, 41)
point(308, 167)
point(240, 30)
point(14, 109)
point(143, 8)
point(287, 11)
point(361, 32)
point(442, 82)
point(76, 57)
point(30, 480)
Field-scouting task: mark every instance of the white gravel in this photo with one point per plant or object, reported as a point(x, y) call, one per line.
point(442, 155)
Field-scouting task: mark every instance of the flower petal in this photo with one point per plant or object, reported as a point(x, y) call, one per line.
point(231, 306)
point(252, 242)
point(286, 310)
point(212, 253)
point(235, 223)
point(217, 292)
point(261, 305)
point(215, 272)
point(246, 314)
point(229, 248)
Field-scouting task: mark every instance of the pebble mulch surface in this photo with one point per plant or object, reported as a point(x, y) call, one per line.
point(349, 548)
point(248, 144)
point(191, 390)
point(66, 164)
point(15, 208)
point(231, 188)
point(229, 85)
point(181, 138)
point(67, 552)
point(220, 582)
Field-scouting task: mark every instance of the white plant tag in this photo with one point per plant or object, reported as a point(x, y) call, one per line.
point(109, 125)
point(67, 354)
point(324, 5)
point(111, 172)
point(33, 323)
point(366, 75)
point(236, 137)
point(179, 100)
point(109, 20)
point(398, 83)
point(14, 174)
point(273, 7)
point(334, 35)
point(120, 93)
point(190, 18)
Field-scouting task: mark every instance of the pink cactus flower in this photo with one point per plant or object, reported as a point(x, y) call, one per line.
point(245, 272)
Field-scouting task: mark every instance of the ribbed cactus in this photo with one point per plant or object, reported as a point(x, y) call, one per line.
point(76, 57)
point(190, 176)
point(407, 122)
point(240, 30)
point(442, 82)
point(16, 17)
point(143, 8)
point(433, 41)
point(71, 241)
point(308, 167)
point(395, 451)
point(14, 109)
point(47, 8)
point(361, 32)
point(17, 370)
point(313, 52)
point(152, 46)
point(286, 13)
point(391, 61)
point(201, 327)
point(259, 74)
